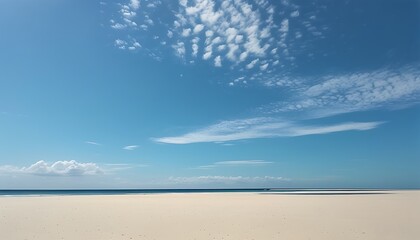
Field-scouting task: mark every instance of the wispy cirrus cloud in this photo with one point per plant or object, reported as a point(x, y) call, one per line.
point(93, 143)
point(130, 147)
point(259, 42)
point(361, 91)
point(329, 96)
point(261, 128)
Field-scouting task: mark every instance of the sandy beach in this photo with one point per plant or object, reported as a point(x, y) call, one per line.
point(239, 216)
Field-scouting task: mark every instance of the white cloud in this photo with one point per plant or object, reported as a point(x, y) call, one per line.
point(253, 46)
point(210, 17)
point(284, 26)
point(243, 56)
point(231, 34)
point(356, 92)
point(263, 67)
point(240, 30)
point(59, 168)
point(136, 44)
point(242, 33)
point(195, 49)
point(135, 4)
point(239, 39)
point(351, 126)
point(130, 23)
point(273, 51)
point(207, 55)
point(118, 26)
point(198, 28)
point(221, 47)
point(252, 63)
point(217, 40)
point(183, 2)
point(209, 33)
point(233, 49)
point(121, 44)
point(179, 48)
point(265, 33)
point(295, 14)
point(194, 46)
point(330, 96)
point(218, 61)
point(241, 27)
point(186, 32)
point(128, 13)
point(144, 27)
point(248, 39)
point(130, 147)
point(195, 40)
point(149, 21)
point(261, 128)
point(93, 143)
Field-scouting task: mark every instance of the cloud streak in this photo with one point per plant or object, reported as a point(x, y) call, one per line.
point(130, 147)
point(93, 143)
point(261, 128)
point(331, 95)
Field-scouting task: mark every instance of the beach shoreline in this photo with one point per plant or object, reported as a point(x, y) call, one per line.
point(314, 215)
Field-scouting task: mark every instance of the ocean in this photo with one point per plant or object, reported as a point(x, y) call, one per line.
point(55, 192)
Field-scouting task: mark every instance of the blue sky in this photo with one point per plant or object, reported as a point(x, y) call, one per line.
point(202, 93)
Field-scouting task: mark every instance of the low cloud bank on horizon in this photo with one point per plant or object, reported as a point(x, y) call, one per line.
point(58, 168)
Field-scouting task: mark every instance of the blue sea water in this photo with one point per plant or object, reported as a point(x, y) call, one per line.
point(44, 192)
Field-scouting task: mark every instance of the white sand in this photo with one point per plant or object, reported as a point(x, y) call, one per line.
point(238, 216)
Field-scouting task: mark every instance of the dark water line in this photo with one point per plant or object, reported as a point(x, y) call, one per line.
point(42, 192)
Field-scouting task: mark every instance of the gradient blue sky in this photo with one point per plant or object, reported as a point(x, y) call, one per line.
point(202, 93)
